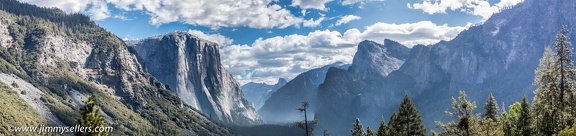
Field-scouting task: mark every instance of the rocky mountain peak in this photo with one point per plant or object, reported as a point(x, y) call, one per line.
point(376, 59)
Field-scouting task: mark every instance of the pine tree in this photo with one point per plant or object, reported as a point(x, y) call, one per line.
point(467, 124)
point(358, 130)
point(369, 132)
point(491, 108)
point(548, 124)
point(523, 125)
point(383, 130)
point(555, 79)
point(91, 118)
point(395, 128)
point(410, 119)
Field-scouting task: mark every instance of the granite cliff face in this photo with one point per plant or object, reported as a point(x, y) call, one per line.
point(191, 67)
point(258, 93)
point(499, 56)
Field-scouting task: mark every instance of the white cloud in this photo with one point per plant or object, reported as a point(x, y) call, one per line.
point(361, 2)
point(265, 60)
point(474, 7)
point(287, 56)
point(311, 4)
point(346, 19)
point(213, 13)
point(217, 38)
point(423, 32)
point(96, 9)
point(313, 23)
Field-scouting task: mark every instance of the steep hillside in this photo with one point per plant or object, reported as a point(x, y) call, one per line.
point(67, 57)
point(191, 67)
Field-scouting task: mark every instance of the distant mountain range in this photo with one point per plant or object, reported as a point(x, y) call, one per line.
point(258, 93)
point(281, 106)
point(499, 56)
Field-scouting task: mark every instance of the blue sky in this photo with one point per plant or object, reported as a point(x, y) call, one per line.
point(262, 40)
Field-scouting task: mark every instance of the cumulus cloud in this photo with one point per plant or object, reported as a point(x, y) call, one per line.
point(409, 34)
point(311, 4)
point(217, 38)
point(265, 60)
point(96, 9)
point(346, 19)
point(474, 7)
point(313, 23)
point(287, 56)
point(213, 13)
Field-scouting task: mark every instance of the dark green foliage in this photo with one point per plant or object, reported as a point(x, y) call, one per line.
point(383, 130)
point(395, 128)
point(410, 119)
point(358, 130)
point(523, 125)
point(548, 123)
point(91, 118)
point(491, 108)
point(369, 132)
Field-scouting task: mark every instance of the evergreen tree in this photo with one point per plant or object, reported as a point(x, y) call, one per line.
point(91, 118)
point(523, 125)
point(548, 125)
point(555, 79)
point(369, 132)
point(395, 128)
point(490, 127)
point(383, 130)
point(410, 119)
point(491, 108)
point(358, 130)
point(467, 124)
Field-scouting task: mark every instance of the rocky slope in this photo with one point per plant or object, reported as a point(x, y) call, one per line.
point(258, 93)
point(67, 57)
point(192, 69)
point(281, 106)
point(499, 56)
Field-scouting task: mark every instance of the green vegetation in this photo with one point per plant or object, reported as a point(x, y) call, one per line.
point(91, 118)
point(12, 115)
point(406, 121)
point(358, 130)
